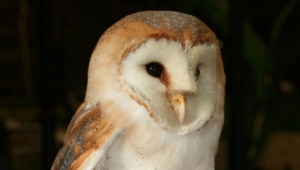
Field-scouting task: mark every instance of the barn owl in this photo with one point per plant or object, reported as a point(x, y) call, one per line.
point(154, 99)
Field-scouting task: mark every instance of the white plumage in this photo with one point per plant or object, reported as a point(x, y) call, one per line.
point(147, 107)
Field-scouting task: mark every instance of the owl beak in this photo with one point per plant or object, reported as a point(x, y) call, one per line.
point(178, 104)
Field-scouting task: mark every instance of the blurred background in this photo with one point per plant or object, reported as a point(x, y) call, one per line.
point(45, 46)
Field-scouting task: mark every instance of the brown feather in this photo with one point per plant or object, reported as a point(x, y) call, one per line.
point(87, 132)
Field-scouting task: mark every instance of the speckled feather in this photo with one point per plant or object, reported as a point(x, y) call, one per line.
point(112, 129)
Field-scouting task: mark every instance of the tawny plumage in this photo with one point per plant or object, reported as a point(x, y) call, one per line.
point(154, 100)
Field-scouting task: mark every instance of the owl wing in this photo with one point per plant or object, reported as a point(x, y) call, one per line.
point(87, 140)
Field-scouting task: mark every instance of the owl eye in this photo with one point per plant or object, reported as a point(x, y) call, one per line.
point(154, 69)
point(197, 72)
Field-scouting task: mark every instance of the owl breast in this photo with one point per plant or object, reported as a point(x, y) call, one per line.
point(148, 147)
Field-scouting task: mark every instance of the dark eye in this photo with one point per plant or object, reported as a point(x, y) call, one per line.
point(154, 69)
point(197, 73)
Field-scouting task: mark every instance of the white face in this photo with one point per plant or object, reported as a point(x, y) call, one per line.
point(179, 75)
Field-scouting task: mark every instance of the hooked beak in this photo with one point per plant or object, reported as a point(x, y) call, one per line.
point(178, 105)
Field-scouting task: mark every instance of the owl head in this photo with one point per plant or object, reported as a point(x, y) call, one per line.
point(167, 62)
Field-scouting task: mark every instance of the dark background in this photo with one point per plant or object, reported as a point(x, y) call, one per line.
point(44, 53)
